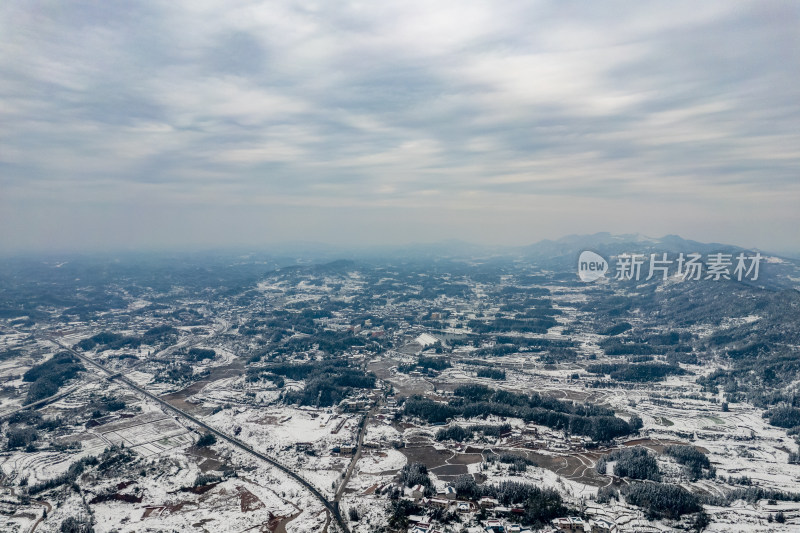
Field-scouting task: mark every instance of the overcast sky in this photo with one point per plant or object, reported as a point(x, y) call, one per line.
point(198, 124)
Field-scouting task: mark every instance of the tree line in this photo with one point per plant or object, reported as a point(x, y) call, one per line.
point(474, 400)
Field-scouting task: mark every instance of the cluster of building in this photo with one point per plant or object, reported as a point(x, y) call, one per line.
point(569, 524)
point(501, 520)
point(576, 524)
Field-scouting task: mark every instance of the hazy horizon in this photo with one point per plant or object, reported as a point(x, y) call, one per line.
point(196, 126)
point(327, 251)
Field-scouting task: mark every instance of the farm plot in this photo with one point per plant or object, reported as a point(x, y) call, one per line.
point(148, 434)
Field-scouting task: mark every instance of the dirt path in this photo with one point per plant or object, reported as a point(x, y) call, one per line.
point(281, 528)
point(48, 508)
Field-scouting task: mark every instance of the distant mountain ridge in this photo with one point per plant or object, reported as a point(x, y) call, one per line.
point(561, 255)
point(608, 244)
point(605, 243)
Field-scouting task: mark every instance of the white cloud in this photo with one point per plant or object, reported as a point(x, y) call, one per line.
point(494, 106)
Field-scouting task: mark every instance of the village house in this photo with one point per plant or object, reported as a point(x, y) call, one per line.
point(601, 525)
point(347, 449)
point(488, 503)
point(569, 524)
point(422, 527)
point(495, 526)
point(441, 503)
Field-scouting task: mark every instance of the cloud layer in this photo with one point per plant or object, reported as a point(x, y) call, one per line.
point(208, 123)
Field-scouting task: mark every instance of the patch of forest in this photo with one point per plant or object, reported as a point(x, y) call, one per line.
point(47, 377)
point(474, 400)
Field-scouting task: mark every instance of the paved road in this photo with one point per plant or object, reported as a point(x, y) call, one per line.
point(356, 456)
point(332, 507)
point(41, 403)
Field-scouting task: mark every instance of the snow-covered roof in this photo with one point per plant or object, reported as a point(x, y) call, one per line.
point(426, 339)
